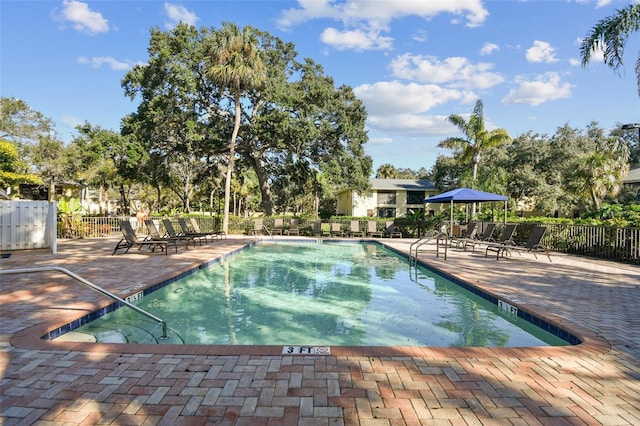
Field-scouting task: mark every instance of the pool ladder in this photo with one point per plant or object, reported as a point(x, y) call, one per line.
point(93, 287)
point(441, 239)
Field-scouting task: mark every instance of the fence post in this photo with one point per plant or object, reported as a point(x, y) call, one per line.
point(51, 233)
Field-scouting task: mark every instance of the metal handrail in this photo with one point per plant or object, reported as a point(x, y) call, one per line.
point(268, 232)
point(415, 246)
point(93, 287)
point(420, 241)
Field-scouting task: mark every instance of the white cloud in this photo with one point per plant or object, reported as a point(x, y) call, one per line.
point(541, 51)
point(99, 61)
point(420, 36)
point(489, 48)
point(599, 3)
point(400, 108)
point(355, 40)
point(574, 62)
point(453, 71)
point(70, 121)
point(176, 14)
point(597, 54)
point(383, 97)
point(379, 141)
point(544, 88)
point(372, 17)
point(382, 11)
point(82, 18)
point(417, 125)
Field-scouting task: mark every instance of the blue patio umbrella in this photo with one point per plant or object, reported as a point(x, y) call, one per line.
point(467, 195)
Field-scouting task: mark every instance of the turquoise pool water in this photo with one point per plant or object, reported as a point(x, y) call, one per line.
point(325, 294)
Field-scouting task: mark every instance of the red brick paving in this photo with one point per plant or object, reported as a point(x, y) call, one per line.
point(44, 382)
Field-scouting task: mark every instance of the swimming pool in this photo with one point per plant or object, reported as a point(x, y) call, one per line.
point(325, 294)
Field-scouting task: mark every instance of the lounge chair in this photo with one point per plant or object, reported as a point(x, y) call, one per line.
point(130, 239)
point(354, 229)
point(196, 227)
point(278, 227)
point(154, 235)
point(485, 237)
point(325, 229)
point(390, 230)
point(188, 232)
point(258, 227)
point(532, 245)
point(293, 227)
point(469, 233)
point(506, 237)
point(171, 233)
point(336, 230)
point(372, 229)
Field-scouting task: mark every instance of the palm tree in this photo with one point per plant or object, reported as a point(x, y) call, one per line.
point(235, 63)
point(599, 173)
point(387, 171)
point(610, 34)
point(477, 139)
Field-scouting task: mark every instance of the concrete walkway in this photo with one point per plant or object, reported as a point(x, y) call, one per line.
point(45, 382)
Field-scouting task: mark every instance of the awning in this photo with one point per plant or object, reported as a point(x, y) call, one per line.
point(467, 195)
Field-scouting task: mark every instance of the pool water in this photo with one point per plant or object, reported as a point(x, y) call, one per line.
point(325, 294)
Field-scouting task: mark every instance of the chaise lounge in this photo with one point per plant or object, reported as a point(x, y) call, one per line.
point(130, 239)
point(532, 245)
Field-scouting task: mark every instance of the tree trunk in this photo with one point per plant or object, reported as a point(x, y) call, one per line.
point(232, 153)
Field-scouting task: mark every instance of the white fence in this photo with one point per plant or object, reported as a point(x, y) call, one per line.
point(28, 225)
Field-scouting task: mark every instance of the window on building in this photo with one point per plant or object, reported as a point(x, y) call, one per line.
point(388, 212)
point(386, 197)
point(415, 197)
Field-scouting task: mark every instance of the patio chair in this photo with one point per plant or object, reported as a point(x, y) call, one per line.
point(294, 227)
point(325, 229)
point(336, 230)
point(258, 227)
point(171, 233)
point(485, 237)
point(278, 226)
point(390, 230)
point(372, 229)
point(506, 235)
point(469, 233)
point(354, 229)
point(130, 239)
point(198, 235)
point(196, 227)
point(531, 246)
point(154, 235)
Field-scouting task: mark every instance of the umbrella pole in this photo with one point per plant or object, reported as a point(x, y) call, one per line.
point(451, 222)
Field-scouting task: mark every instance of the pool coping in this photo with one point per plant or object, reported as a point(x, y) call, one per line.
point(591, 343)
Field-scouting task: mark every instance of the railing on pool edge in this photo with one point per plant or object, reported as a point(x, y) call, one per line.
point(430, 236)
point(93, 287)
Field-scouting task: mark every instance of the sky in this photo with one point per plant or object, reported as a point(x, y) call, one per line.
point(413, 63)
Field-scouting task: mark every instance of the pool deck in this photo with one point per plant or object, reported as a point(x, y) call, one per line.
point(55, 383)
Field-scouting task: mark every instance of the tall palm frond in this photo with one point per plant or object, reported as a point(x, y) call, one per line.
point(610, 35)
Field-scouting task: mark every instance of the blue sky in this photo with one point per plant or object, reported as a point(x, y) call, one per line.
point(412, 63)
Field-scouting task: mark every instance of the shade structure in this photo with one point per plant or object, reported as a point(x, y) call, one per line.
point(467, 195)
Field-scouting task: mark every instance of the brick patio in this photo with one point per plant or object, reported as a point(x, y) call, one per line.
point(44, 382)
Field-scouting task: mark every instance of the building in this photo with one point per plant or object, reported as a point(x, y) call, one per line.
point(388, 198)
point(632, 179)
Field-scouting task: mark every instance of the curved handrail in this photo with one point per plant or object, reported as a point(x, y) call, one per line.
point(415, 246)
point(93, 287)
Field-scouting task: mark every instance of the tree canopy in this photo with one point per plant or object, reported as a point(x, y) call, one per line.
point(294, 126)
